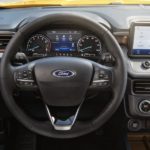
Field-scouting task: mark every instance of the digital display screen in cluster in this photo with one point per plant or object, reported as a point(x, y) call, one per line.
point(64, 40)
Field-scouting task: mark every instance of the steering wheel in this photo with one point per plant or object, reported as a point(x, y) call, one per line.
point(63, 81)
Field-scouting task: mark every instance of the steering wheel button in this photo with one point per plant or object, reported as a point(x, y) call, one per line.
point(20, 82)
point(96, 76)
point(25, 75)
point(106, 76)
point(29, 72)
point(30, 78)
point(101, 72)
point(100, 84)
point(101, 75)
point(19, 77)
point(20, 73)
point(31, 84)
point(106, 83)
point(94, 84)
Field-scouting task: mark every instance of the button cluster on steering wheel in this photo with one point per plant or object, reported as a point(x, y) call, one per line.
point(101, 79)
point(24, 79)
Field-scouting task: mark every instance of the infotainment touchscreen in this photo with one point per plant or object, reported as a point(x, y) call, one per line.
point(141, 41)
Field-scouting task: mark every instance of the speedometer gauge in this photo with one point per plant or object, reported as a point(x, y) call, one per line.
point(38, 45)
point(89, 44)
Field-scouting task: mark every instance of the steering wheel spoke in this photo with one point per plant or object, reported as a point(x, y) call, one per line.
point(60, 124)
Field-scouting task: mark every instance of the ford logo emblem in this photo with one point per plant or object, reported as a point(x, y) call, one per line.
point(63, 73)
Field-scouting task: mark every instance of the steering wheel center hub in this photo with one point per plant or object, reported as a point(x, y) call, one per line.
point(63, 81)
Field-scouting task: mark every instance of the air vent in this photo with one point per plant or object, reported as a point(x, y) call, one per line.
point(4, 39)
point(141, 87)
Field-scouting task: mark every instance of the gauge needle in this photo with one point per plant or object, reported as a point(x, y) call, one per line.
point(32, 49)
point(83, 49)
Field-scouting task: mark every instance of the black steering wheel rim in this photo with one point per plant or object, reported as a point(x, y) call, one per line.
point(119, 85)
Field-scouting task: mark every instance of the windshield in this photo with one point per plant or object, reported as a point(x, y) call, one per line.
point(27, 3)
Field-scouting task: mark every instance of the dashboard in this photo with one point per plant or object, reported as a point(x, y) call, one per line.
point(63, 42)
point(129, 24)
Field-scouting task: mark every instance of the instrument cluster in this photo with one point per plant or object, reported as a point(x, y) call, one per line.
point(63, 42)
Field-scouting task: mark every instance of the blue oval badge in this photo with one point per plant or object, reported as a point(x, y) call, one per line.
point(63, 73)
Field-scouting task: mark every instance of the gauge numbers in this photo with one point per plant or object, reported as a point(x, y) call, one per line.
point(89, 44)
point(38, 44)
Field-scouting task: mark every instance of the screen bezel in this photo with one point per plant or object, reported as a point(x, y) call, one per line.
point(131, 39)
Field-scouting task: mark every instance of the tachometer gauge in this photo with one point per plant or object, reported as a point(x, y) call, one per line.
point(38, 45)
point(89, 44)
